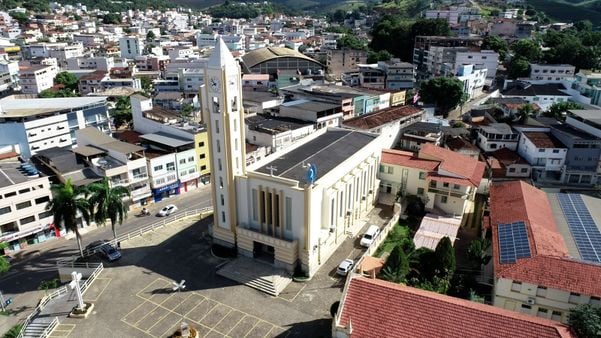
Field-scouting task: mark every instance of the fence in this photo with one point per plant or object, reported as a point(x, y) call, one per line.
point(382, 236)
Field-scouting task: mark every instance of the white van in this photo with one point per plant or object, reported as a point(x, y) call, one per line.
point(369, 236)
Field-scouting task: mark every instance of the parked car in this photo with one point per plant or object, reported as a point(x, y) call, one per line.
point(168, 210)
point(345, 266)
point(368, 237)
point(105, 249)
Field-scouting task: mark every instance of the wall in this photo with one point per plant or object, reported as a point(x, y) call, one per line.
point(531, 153)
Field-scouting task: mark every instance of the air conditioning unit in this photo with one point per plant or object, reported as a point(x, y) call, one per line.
point(531, 301)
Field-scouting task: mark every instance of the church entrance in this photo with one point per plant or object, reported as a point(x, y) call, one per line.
point(263, 252)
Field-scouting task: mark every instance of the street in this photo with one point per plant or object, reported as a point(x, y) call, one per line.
point(38, 263)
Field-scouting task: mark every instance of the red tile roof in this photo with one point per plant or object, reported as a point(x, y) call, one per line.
point(543, 140)
point(454, 163)
point(381, 117)
point(557, 273)
point(406, 159)
point(549, 265)
point(377, 308)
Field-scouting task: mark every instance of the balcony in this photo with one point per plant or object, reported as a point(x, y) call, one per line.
point(447, 192)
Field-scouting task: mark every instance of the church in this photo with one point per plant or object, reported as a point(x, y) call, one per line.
point(294, 207)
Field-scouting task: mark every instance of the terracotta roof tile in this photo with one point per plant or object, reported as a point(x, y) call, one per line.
point(543, 140)
point(455, 163)
point(406, 159)
point(377, 308)
point(381, 117)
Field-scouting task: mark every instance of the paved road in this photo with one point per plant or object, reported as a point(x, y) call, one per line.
point(37, 263)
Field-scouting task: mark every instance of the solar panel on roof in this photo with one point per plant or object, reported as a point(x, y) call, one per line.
point(582, 226)
point(513, 242)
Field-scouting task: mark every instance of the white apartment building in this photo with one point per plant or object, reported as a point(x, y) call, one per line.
point(206, 40)
point(36, 79)
point(95, 63)
point(545, 153)
point(488, 59)
point(473, 80)
point(124, 164)
point(31, 125)
point(496, 136)
point(551, 72)
point(131, 47)
point(235, 42)
point(25, 220)
point(88, 40)
point(63, 53)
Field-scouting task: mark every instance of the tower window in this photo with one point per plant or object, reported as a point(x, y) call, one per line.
point(216, 126)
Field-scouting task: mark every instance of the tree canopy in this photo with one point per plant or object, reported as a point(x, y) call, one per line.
point(66, 79)
point(585, 320)
point(351, 41)
point(111, 19)
point(444, 92)
point(558, 109)
point(396, 267)
point(497, 44)
point(527, 49)
point(445, 257)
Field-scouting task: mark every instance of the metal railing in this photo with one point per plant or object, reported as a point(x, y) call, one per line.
point(55, 294)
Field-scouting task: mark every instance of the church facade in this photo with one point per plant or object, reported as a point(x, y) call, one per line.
point(294, 207)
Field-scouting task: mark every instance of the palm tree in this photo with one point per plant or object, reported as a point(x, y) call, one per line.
point(525, 112)
point(108, 203)
point(67, 203)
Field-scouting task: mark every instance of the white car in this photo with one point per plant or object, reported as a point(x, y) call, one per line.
point(168, 210)
point(369, 236)
point(344, 267)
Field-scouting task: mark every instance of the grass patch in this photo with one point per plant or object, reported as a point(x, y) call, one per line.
point(399, 232)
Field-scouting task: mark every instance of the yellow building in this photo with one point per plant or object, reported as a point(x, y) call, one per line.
point(201, 145)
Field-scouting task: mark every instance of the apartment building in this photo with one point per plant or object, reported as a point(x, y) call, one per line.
point(131, 47)
point(423, 43)
point(95, 63)
point(92, 82)
point(445, 181)
point(588, 83)
point(124, 164)
point(497, 136)
point(544, 152)
point(37, 78)
point(551, 72)
point(342, 60)
point(442, 60)
point(31, 125)
point(25, 194)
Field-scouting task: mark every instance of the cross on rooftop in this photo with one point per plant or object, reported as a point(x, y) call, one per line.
point(271, 169)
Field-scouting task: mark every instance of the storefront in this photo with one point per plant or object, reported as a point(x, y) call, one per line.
point(166, 191)
point(22, 239)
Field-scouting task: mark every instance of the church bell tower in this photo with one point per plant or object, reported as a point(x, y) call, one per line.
point(224, 117)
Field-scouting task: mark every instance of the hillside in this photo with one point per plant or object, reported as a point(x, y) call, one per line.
point(569, 11)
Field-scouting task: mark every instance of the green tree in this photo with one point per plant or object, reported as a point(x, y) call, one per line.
point(48, 284)
point(445, 257)
point(4, 263)
point(518, 67)
point(585, 320)
point(583, 25)
point(477, 252)
point(121, 114)
point(558, 109)
point(108, 203)
point(186, 111)
point(66, 79)
point(22, 18)
point(445, 92)
point(497, 44)
point(351, 41)
point(150, 36)
point(396, 267)
point(67, 204)
point(527, 49)
point(146, 83)
point(525, 111)
point(374, 57)
point(111, 19)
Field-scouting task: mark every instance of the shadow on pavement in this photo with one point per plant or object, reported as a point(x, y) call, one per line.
point(319, 328)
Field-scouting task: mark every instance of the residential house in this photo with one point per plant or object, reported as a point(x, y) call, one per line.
point(544, 152)
point(92, 82)
point(419, 133)
point(544, 95)
point(507, 164)
point(275, 133)
point(551, 72)
point(496, 136)
point(444, 180)
point(35, 79)
point(342, 60)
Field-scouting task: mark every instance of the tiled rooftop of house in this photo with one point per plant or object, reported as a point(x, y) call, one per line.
point(377, 308)
point(406, 159)
point(543, 140)
point(454, 163)
point(381, 117)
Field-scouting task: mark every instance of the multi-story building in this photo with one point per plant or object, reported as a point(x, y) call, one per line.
point(275, 133)
point(543, 95)
point(473, 80)
point(454, 14)
point(122, 163)
point(95, 63)
point(31, 125)
point(131, 47)
point(551, 72)
point(588, 83)
point(544, 152)
point(423, 43)
point(442, 60)
point(25, 195)
point(540, 267)
point(342, 60)
point(92, 82)
point(35, 79)
point(399, 75)
point(496, 136)
point(206, 40)
point(444, 180)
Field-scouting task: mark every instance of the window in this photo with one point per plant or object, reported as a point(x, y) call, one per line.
point(158, 167)
point(182, 161)
point(203, 167)
point(170, 166)
point(555, 151)
point(420, 191)
point(516, 286)
point(27, 220)
point(526, 308)
point(201, 144)
point(541, 291)
point(390, 170)
point(255, 204)
point(422, 175)
point(4, 210)
point(216, 126)
point(332, 212)
point(223, 216)
point(218, 146)
point(202, 156)
point(541, 150)
point(456, 186)
point(219, 163)
point(45, 214)
point(542, 312)
point(574, 298)
point(26, 190)
point(443, 199)
point(191, 159)
point(524, 170)
point(10, 194)
point(288, 206)
point(445, 184)
point(222, 200)
point(220, 182)
point(556, 315)
point(23, 205)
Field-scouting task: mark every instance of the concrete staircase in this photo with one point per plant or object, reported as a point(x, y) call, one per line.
point(36, 328)
point(257, 275)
